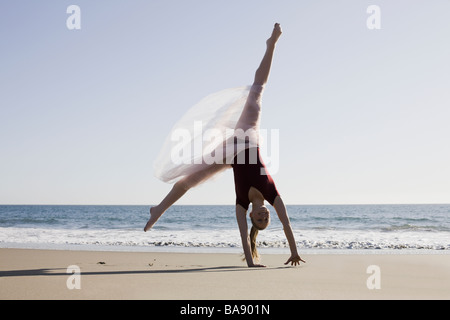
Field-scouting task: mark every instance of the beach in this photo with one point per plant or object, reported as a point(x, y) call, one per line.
point(70, 274)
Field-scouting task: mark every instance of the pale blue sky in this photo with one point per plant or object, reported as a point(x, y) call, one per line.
point(363, 115)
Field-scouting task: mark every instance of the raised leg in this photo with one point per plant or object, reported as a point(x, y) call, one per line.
point(262, 73)
point(180, 188)
point(250, 116)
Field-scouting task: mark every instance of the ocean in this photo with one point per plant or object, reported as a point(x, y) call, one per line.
point(190, 228)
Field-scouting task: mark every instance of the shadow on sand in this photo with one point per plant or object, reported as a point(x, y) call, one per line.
point(63, 271)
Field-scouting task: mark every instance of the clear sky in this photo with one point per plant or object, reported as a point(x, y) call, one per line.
point(363, 115)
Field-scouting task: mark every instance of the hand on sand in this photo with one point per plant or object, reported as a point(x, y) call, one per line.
point(295, 260)
point(257, 266)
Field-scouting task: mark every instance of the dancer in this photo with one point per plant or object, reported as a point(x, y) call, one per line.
point(253, 184)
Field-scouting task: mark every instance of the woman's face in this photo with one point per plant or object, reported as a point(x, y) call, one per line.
point(260, 217)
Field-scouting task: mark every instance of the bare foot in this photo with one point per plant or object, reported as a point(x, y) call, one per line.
point(276, 33)
point(154, 216)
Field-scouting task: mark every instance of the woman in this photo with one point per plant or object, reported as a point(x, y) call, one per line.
point(252, 182)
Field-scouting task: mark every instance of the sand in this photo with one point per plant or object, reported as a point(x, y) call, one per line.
point(42, 274)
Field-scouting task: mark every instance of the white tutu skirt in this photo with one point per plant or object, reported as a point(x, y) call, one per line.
point(211, 133)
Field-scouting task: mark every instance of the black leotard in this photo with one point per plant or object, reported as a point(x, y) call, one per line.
point(249, 174)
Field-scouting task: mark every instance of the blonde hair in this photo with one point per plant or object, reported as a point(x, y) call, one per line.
point(253, 234)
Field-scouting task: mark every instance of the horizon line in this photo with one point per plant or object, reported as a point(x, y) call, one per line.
point(287, 204)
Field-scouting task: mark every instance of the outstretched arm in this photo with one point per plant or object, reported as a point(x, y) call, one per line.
point(241, 216)
point(280, 208)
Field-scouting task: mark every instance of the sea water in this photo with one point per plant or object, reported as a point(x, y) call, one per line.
point(317, 228)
